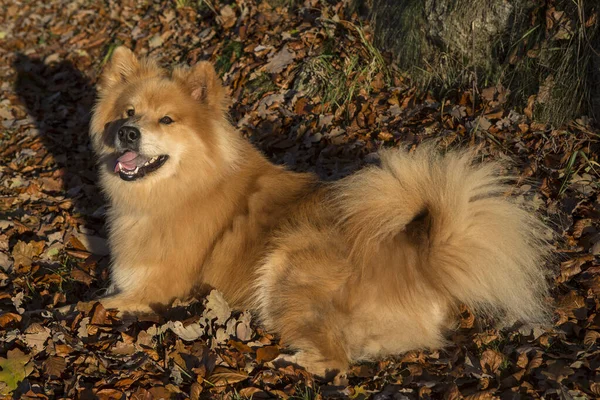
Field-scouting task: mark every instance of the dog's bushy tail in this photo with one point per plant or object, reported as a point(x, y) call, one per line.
point(478, 246)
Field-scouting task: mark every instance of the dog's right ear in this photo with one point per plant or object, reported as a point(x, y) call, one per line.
point(122, 66)
point(203, 84)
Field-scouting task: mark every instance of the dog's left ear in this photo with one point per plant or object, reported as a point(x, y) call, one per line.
point(204, 84)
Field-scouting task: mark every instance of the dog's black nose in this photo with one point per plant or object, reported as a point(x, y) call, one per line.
point(129, 135)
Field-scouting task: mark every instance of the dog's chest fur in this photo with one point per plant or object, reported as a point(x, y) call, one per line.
point(217, 239)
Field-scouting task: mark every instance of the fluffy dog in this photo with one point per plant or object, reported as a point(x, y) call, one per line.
point(374, 264)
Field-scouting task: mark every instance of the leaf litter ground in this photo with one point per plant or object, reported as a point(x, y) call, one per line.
point(311, 92)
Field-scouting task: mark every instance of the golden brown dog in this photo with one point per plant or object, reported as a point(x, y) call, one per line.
point(371, 265)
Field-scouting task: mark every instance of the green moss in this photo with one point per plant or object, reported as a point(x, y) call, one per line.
point(259, 86)
point(231, 52)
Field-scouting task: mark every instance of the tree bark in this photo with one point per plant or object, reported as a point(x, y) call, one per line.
point(547, 48)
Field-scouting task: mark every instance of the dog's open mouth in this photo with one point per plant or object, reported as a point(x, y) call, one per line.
point(132, 166)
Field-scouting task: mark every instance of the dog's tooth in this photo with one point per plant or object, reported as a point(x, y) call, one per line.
point(136, 170)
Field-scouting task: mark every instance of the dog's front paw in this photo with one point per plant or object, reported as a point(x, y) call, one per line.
point(314, 364)
point(125, 305)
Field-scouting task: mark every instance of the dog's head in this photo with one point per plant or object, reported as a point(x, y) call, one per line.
point(148, 123)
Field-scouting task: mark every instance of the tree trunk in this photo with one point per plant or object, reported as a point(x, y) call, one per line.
point(550, 49)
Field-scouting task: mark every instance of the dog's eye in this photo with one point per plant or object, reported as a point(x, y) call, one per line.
point(130, 112)
point(166, 120)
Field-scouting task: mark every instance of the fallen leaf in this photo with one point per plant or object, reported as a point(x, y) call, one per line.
point(217, 308)
point(54, 366)
point(99, 316)
point(267, 353)
point(189, 333)
point(222, 376)
point(590, 338)
point(155, 41)
point(491, 361)
point(36, 336)
point(227, 17)
point(24, 253)
point(557, 370)
point(109, 394)
point(15, 368)
point(280, 60)
point(8, 319)
point(81, 276)
point(570, 268)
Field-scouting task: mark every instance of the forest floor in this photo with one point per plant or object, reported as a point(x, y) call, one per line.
point(311, 92)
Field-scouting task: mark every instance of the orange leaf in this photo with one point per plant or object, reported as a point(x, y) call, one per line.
point(267, 353)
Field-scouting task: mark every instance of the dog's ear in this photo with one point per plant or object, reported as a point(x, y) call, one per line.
point(122, 66)
point(203, 84)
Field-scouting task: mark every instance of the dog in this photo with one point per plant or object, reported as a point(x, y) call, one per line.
point(374, 264)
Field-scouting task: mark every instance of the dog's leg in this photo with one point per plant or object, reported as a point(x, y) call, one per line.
point(321, 349)
point(301, 298)
point(140, 289)
point(125, 304)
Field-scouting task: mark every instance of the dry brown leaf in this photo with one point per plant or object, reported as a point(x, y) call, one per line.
point(485, 338)
point(52, 185)
point(453, 393)
point(522, 361)
point(227, 17)
point(81, 276)
point(76, 243)
point(241, 347)
point(590, 337)
point(195, 391)
point(557, 370)
point(109, 394)
point(593, 285)
point(280, 60)
point(483, 395)
point(142, 394)
point(580, 225)
point(63, 350)
point(36, 336)
point(54, 366)
point(413, 357)
point(24, 253)
point(160, 392)
point(570, 302)
point(99, 316)
point(572, 267)
point(222, 376)
point(491, 361)
point(467, 318)
point(249, 392)
point(529, 109)
point(267, 353)
point(377, 83)
point(9, 319)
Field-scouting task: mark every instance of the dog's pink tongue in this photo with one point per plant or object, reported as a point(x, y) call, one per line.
point(126, 161)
